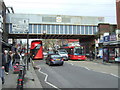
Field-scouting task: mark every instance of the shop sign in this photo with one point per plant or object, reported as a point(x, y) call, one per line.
point(113, 37)
point(106, 38)
point(118, 37)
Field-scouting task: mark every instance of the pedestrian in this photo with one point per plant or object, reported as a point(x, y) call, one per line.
point(2, 68)
point(10, 65)
point(8, 60)
point(91, 55)
point(16, 58)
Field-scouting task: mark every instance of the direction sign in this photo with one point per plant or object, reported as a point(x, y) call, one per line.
point(20, 24)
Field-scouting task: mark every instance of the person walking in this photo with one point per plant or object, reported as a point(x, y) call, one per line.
point(16, 58)
point(10, 65)
point(91, 55)
point(2, 68)
point(8, 60)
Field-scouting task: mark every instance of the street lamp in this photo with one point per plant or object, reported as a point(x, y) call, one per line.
point(1, 31)
point(27, 61)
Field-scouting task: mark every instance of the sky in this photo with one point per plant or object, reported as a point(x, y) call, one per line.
point(104, 8)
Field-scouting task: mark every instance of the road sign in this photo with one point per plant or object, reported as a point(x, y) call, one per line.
point(20, 24)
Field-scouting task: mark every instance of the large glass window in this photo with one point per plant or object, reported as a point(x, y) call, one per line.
point(78, 29)
point(44, 27)
point(39, 29)
point(94, 30)
point(74, 29)
point(35, 29)
point(48, 29)
point(57, 29)
point(70, 29)
point(90, 29)
point(61, 29)
point(66, 29)
point(30, 28)
point(86, 30)
point(53, 29)
point(82, 29)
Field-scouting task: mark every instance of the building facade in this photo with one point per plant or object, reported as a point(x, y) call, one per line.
point(118, 13)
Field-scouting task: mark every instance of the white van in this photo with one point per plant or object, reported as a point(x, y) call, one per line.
point(63, 53)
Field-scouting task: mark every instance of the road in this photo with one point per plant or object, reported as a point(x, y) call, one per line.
point(73, 76)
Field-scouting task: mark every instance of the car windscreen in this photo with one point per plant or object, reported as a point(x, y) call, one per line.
point(55, 56)
point(62, 52)
point(78, 51)
point(50, 52)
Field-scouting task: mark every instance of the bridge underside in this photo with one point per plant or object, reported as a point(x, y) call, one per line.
point(50, 36)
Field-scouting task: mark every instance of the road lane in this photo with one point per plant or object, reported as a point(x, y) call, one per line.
point(71, 76)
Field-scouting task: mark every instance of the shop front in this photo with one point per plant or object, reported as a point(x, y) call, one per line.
point(111, 49)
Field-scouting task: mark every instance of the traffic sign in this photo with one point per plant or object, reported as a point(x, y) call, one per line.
point(20, 24)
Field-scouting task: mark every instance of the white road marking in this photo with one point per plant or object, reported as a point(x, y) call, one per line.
point(72, 64)
point(47, 78)
point(114, 75)
point(87, 68)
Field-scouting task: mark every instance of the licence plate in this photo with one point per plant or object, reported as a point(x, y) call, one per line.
point(57, 59)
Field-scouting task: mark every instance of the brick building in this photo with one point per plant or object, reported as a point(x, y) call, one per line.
point(118, 13)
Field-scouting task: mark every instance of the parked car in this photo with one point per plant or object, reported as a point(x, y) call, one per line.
point(63, 53)
point(54, 59)
point(45, 53)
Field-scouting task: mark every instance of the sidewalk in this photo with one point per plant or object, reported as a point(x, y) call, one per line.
point(31, 79)
point(100, 61)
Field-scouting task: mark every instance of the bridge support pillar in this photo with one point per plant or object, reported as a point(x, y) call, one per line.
point(88, 43)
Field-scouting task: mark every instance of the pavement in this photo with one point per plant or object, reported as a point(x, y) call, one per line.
point(31, 79)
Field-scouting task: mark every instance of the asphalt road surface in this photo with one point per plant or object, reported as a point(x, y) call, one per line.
point(72, 76)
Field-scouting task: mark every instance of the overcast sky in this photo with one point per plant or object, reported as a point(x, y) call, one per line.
point(105, 8)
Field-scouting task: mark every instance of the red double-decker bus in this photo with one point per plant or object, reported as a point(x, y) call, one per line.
point(75, 52)
point(36, 49)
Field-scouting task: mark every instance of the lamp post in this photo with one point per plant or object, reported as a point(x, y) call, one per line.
point(1, 46)
point(27, 49)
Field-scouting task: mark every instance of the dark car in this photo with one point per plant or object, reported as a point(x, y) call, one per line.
point(53, 59)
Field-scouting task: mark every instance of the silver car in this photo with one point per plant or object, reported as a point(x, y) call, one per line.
point(53, 59)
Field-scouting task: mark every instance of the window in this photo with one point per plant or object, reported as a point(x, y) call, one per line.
point(38, 46)
point(39, 29)
point(78, 29)
point(44, 27)
point(48, 29)
point(66, 29)
point(78, 51)
point(35, 29)
point(86, 30)
point(61, 29)
point(94, 30)
point(90, 29)
point(82, 29)
point(53, 29)
point(57, 29)
point(30, 28)
point(70, 29)
point(74, 29)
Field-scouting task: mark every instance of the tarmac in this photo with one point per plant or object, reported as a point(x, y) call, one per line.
point(31, 79)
